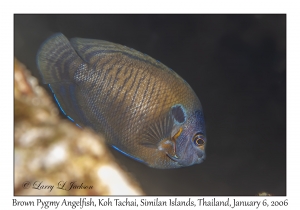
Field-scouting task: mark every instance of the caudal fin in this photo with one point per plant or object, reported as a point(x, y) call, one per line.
point(57, 60)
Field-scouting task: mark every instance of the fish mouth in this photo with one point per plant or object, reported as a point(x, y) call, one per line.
point(187, 159)
point(183, 163)
point(173, 157)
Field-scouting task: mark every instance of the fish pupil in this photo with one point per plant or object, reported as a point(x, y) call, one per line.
point(199, 142)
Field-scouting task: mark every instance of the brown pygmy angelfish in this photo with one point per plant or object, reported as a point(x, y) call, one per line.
point(144, 109)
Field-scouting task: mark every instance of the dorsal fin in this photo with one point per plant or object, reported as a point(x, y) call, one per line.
point(91, 49)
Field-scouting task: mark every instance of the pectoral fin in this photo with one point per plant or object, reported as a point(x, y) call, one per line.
point(158, 136)
point(155, 133)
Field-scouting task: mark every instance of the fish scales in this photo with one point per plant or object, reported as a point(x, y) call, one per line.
point(140, 105)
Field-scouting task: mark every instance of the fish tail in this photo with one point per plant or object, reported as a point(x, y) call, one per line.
point(57, 60)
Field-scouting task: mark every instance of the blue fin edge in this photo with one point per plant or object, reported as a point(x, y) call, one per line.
point(137, 159)
point(61, 109)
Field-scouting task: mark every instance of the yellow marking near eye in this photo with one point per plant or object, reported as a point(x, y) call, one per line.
point(177, 134)
point(202, 147)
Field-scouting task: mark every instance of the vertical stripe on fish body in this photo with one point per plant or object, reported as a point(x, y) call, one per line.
point(144, 109)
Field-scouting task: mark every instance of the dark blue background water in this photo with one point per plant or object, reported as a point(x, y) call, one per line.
point(236, 64)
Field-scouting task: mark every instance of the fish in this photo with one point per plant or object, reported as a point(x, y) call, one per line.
point(144, 109)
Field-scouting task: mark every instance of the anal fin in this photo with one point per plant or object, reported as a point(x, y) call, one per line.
point(65, 95)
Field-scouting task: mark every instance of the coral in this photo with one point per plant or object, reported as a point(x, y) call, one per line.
point(54, 157)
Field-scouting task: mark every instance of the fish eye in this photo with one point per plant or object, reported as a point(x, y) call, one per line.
point(199, 139)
